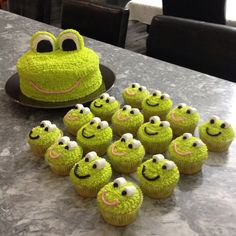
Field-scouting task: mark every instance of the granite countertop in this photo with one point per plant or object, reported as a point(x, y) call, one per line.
point(34, 201)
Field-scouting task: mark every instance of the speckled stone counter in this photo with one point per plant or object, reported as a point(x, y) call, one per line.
point(34, 201)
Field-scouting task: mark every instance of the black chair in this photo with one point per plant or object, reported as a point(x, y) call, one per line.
point(205, 47)
point(202, 10)
point(104, 22)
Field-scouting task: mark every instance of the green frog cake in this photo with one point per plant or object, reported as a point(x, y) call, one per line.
point(58, 69)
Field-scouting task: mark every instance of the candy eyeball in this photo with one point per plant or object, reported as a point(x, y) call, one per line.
point(187, 135)
point(63, 140)
point(169, 165)
point(118, 182)
point(156, 93)
point(126, 137)
point(158, 158)
point(134, 111)
point(90, 156)
point(154, 119)
point(126, 107)
point(191, 110)
point(181, 105)
point(213, 119)
point(164, 124)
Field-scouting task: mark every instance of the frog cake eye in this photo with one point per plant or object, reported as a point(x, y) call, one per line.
point(134, 111)
point(198, 143)
point(128, 191)
point(50, 128)
point(126, 137)
point(181, 105)
point(85, 110)
point(134, 144)
point(43, 42)
point(213, 119)
point(135, 85)
point(79, 106)
point(191, 110)
point(99, 164)
point(45, 123)
point(104, 96)
point(70, 40)
point(142, 88)
point(118, 182)
point(164, 124)
point(71, 145)
point(110, 99)
point(102, 125)
point(126, 107)
point(225, 125)
point(90, 156)
point(169, 165)
point(187, 135)
point(156, 93)
point(157, 158)
point(164, 96)
point(154, 119)
point(63, 140)
point(95, 120)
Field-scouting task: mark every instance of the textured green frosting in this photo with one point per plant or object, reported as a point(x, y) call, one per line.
point(96, 177)
point(183, 150)
point(59, 75)
point(167, 178)
point(126, 204)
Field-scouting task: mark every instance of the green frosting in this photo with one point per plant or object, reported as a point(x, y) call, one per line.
point(124, 203)
point(105, 106)
point(84, 174)
point(158, 174)
point(59, 75)
point(63, 154)
point(77, 117)
point(188, 150)
point(135, 94)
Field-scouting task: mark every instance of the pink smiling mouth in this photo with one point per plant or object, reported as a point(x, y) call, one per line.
point(46, 91)
point(109, 203)
point(53, 154)
point(122, 118)
point(114, 152)
point(130, 93)
point(181, 153)
point(72, 118)
point(175, 118)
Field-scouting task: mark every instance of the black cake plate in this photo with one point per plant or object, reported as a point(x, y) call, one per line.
point(12, 89)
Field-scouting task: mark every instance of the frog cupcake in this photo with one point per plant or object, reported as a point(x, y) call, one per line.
point(157, 104)
point(183, 119)
point(126, 154)
point(158, 177)
point(95, 136)
point(105, 106)
point(41, 137)
point(189, 153)
point(90, 174)
point(155, 135)
point(119, 202)
point(135, 94)
point(217, 134)
point(127, 120)
point(62, 155)
point(76, 118)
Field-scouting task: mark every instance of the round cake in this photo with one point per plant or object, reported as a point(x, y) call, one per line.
point(58, 69)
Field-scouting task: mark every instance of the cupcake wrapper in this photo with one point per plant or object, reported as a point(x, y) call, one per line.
point(178, 130)
point(126, 168)
point(119, 130)
point(99, 149)
point(38, 150)
point(72, 131)
point(153, 148)
point(133, 103)
point(188, 168)
point(61, 170)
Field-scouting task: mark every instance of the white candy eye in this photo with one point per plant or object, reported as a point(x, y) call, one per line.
point(79, 106)
point(169, 165)
point(135, 85)
point(99, 164)
point(126, 107)
point(187, 135)
point(110, 99)
point(63, 140)
point(95, 120)
point(134, 111)
point(191, 110)
point(104, 96)
point(121, 181)
point(198, 143)
point(213, 119)
point(134, 144)
point(85, 110)
point(126, 137)
point(164, 124)
point(102, 125)
point(142, 88)
point(72, 145)
point(181, 105)
point(51, 127)
point(90, 156)
point(45, 123)
point(225, 125)
point(128, 191)
point(164, 96)
point(154, 119)
point(157, 158)
point(156, 93)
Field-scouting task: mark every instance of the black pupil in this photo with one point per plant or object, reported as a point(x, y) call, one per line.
point(60, 143)
point(140, 89)
point(94, 166)
point(66, 147)
point(184, 137)
point(162, 97)
point(212, 121)
point(194, 144)
point(154, 160)
point(44, 46)
point(188, 111)
point(130, 146)
point(131, 112)
point(152, 121)
point(46, 129)
point(101, 97)
point(124, 193)
point(179, 107)
point(69, 45)
point(99, 127)
point(86, 159)
point(154, 94)
point(222, 125)
point(91, 122)
point(164, 167)
point(161, 125)
point(81, 111)
point(115, 185)
point(107, 101)
point(124, 108)
point(133, 86)
point(42, 125)
point(122, 140)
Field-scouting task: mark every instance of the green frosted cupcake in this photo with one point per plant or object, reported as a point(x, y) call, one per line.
point(189, 153)
point(105, 106)
point(183, 119)
point(126, 154)
point(216, 134)
point(127, 120)
point(158, 104)
point(158, 177)
point(119, 202)
point(90, 174)
point(41, 137)
point(155, 135)
point(135, 94)
point(76, 118)
point(62, 156)
point(95, 136)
